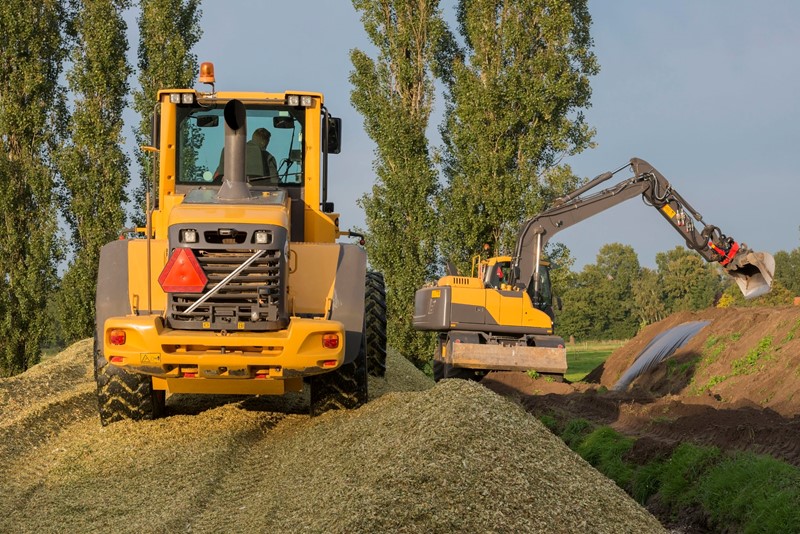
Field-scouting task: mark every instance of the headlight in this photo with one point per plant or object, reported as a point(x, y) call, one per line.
point(263, 237)
point(189, 236)
point(305, 101)
point(181, 98)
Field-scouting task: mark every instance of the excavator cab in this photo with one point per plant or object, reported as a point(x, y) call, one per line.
point(496, 272)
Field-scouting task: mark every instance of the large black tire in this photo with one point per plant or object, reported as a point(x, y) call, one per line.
point(375, 320)
point(120, 395)
point(123, 395)
point(342, 389)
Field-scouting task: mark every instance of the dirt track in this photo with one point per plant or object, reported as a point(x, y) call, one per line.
point(449, 458)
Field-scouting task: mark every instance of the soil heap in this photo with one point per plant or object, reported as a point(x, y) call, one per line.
point(734, 385)
point(455, 457)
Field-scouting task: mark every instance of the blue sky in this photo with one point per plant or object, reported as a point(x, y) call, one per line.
point(706, 91)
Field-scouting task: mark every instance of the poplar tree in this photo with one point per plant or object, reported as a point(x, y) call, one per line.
point(31, 121)
point(515, 102)
point(93, 165)
point(168, 29)
point(394, 93)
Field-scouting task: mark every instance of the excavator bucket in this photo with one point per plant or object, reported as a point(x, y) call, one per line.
point(753, 273)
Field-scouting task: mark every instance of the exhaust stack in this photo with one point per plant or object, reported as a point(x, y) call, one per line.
point(753, 272)
point(234, 185)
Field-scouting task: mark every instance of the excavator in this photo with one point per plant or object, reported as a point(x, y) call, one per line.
point(501, 316)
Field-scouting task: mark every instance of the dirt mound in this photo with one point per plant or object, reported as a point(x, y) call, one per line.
point(454, 457)
point(744, 355)
point(735, 384)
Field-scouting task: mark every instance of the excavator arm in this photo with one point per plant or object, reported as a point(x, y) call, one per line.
point(752, 271)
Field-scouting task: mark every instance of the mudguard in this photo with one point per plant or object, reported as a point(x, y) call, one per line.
point(348, 296)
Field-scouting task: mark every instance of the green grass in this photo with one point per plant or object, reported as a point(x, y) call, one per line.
point(791, 333)
point(582, 358)
point(604, 449)
point(737, 491)
point(758, 492)
point(755, 360)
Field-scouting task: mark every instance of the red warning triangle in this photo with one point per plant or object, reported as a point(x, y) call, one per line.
point(182, 273)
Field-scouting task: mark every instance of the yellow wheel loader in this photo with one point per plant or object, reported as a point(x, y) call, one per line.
point(501, 317)
point(238, 285)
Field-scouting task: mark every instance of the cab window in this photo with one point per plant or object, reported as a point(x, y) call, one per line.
point(497, 274)
point(201, 139)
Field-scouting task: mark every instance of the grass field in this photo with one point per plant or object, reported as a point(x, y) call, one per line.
point(583, 357)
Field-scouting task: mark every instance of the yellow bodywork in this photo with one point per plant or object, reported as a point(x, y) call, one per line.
point(505, 306)
point(235, 362)
point(260, 362)
point(217, 362)
point(319, 227)
point(484, 323)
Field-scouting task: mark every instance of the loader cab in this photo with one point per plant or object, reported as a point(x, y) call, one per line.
point(201, 139)
point(189, 138)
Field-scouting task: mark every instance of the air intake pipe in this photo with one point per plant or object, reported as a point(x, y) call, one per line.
point(234, 185)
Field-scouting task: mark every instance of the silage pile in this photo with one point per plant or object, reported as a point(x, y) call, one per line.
point(455, 457)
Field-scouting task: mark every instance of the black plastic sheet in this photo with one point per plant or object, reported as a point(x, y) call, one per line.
point(659, 349)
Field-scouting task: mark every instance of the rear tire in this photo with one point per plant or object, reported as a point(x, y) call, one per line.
point(375, 318)
point(120, 394)
point(342, 389)
point(123, 395)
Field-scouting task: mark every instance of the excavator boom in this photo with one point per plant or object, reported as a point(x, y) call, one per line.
point(752, 271)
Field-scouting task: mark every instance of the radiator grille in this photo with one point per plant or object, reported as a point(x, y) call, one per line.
point(251, 300)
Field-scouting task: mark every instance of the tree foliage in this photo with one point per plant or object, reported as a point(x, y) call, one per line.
point(787, 270)
point(600, 304)
point(168, 29)
point(394, 93)
point(614, 297)
point(648, 298)
point(778, 296)
point(31, 123)
point(515, 96)
point(687, 281)
point(93, 166)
